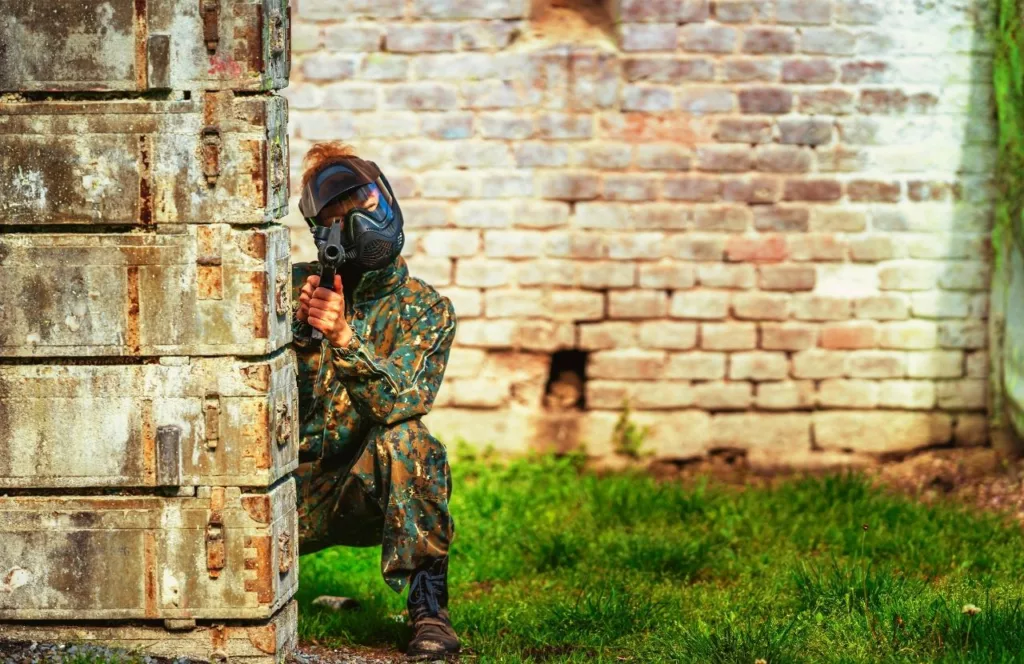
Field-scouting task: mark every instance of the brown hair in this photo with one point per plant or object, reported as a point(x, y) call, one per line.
point(323, 154)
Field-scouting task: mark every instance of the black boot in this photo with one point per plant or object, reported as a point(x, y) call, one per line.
point(433, 636)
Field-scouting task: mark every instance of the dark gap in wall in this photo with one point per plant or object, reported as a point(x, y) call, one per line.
point(565, 389)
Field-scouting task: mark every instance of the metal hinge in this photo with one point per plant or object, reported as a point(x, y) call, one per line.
point(216, 550)
point(210, 10)
point(168, 455)
point(211, 411)
point(211, 143)
point(283, 434)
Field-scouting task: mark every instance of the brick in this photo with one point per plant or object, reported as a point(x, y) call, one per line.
point(805, 131)
point(765, 100)
point(708, 38)
point(728, 336)
point(668, 335)
point(305, 37)
point(547, 272)
point(783, 159)
point(636, 246)
point(576, 305)
point(667, 70)
point(849, 336)
point(723, 158)
point(723, 396)
point(451, 243)
point(605, 335)
point(739, 11)
point(661, 395)
point(864, 71)
point(353, 38)
point(788, 336)
point(493, 94)
point(743, 130)
point(694, 188)
point(873, 191)
point(504, 125)
point(647, 98)
point(479, 393)
point(761, 248)
point(884, 102)
point(565, 126)
point(329, 66)
point(485, 333)
point(908, 335)
point(827, 41)
point(815, 364)
point(821, 307)
point(925, 191)
point(637, 304)
point(514, 244)
point(809, 71)
point(880, 432)
point(446, 126)
point(484, 35)
point(469, 9)
point(827, 102)
point(690, 11)
point(908, 394)
point(908, 276)
point(483, 273)
point(667, 276)
point(483, 214)
point(568, 186)
point(816, 190)
point(635, 37)
point(785, 395)
point(804, 12)
point(787, 277)
point(384, 67)
point(765, 189)
point(758, 366)
point(859, 12)
point(611, 394)
point(465, 363)
point(695, 366)
point(935, 364)
point(699, 305)
point(630, 188)
point(663, 157)
point(724, 275)
point(838, 220)
point(876, 364)
point(761, 41)
point(425, 214)
point(538, 153)
point(612, 156)
point(626, 364)
point(751, 70)
point(435, 271)
point(514, 303)
point(881, 307)
point(841, 159)
point(971, 430)
point(966, 394)
point(781, 219)
point(608, 274)
point(977, 365)
point(321, 10)
point(420, 38)
point(820, 247)
point(840, 393)
point(778, 435)
point(965, 275)
point(760, 306)
point(540, 214)
point(420, 97)
point(703, 100)
point(873, 248)
point(697, 247)
point(726, 219)
point(447, 185)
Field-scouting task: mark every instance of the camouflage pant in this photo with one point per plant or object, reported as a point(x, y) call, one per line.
point(395, 495)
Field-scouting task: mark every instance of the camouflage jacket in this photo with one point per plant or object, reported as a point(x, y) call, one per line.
point(403, 332)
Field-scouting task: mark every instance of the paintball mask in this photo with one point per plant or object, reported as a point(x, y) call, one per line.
point(362, 238)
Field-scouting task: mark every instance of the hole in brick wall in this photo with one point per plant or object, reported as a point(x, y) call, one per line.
point(571, 20)
point(565, 389)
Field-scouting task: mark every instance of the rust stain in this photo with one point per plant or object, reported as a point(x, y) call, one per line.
point(145, 177)
point(219, 638)
point(254, 245)
point(261, 551)
point(257, 299)
point(141, 44)
point(257, 168)
point(211, 282)
point(149, 565)
point(257, 377)
point(131, 340)
point(258, 439)
point(257, 507)
point(264, 638)
point(148, 443)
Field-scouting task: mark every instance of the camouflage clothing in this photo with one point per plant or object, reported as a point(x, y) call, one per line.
point(370, 471)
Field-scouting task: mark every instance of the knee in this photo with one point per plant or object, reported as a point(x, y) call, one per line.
point(409, 441)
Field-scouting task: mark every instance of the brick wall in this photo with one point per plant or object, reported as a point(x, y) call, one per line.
point(763, 222)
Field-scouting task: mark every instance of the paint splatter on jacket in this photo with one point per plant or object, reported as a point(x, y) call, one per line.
point(403, 332)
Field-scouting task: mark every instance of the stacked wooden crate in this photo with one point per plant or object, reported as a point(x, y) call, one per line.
point(148, 403)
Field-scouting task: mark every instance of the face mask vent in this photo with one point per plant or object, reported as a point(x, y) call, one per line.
point(376, 252)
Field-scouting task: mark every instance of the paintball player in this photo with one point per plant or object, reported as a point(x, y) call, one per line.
point(371, 474)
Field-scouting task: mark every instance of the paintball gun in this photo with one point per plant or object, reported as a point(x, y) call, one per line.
point(331, 255)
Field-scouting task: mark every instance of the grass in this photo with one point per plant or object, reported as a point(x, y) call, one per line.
point(553, 564)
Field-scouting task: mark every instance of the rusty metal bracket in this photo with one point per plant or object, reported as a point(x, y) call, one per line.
point(211, 411)
point(168, 455)
point(216, 550)
point(211, 144)
point(277, 32)
point(282, 292)
point(210, 11)
point(278, 169)
point(283, 434)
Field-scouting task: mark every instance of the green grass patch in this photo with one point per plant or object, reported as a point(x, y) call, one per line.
point(551, 563)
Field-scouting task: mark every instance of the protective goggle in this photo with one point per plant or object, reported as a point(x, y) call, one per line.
point(370, 199)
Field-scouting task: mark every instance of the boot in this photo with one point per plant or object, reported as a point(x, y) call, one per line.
point(433, 636)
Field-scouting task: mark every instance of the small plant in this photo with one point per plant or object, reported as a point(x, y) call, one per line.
point(628, 438)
